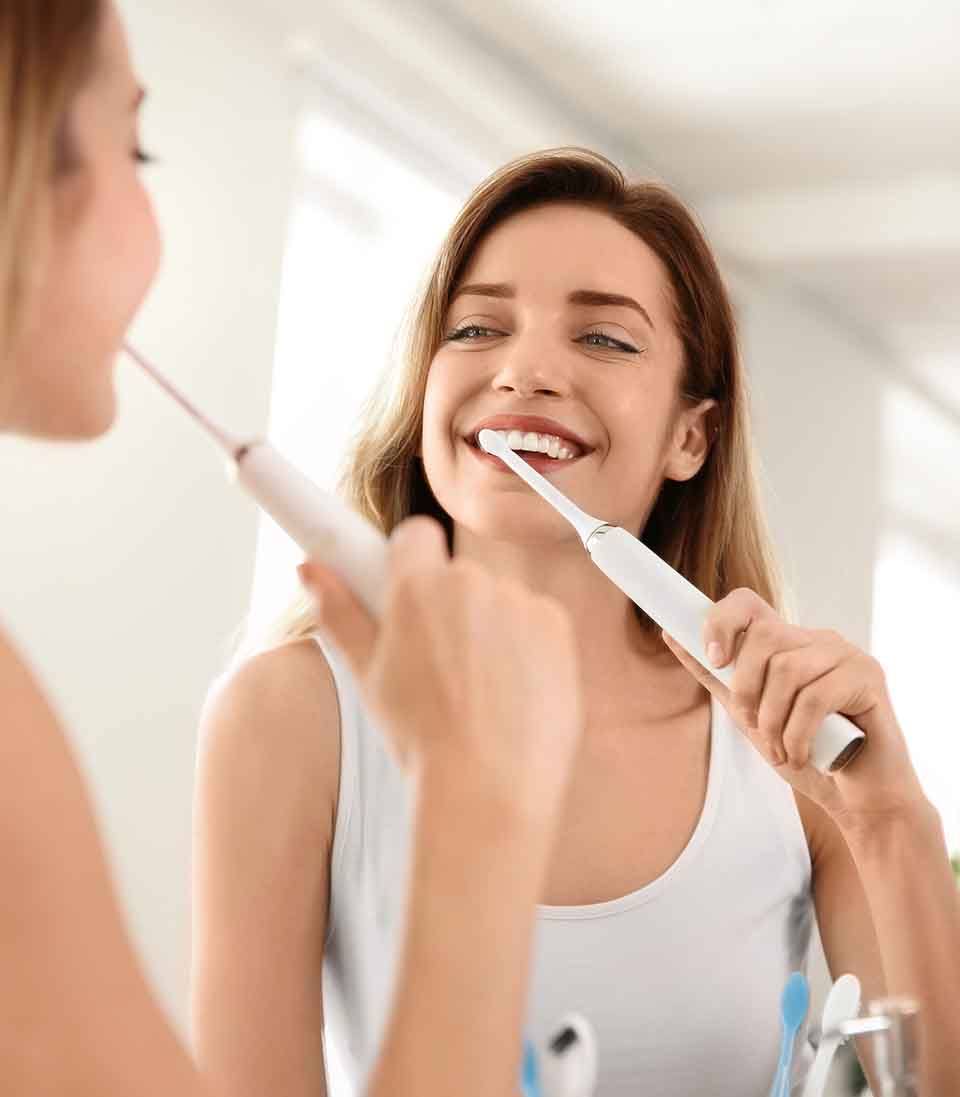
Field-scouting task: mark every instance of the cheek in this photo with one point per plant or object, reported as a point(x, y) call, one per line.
point(109, 260)
point(125, 247)
point(441, 400)
point(99, 272)
point(639, 415)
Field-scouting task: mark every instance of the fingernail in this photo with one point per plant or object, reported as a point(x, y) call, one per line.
point(715, 653)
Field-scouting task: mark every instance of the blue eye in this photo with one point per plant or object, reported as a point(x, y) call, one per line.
point(608, 342)
point(468, 333)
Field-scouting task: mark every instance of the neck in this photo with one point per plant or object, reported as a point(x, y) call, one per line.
point(618, 657)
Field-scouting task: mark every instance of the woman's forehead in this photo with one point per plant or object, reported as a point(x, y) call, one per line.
point(566, 248)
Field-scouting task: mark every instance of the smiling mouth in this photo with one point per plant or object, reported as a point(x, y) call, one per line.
point(547, 449)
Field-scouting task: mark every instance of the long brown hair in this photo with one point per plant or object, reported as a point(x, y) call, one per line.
point(710, 528)
point(47, 49)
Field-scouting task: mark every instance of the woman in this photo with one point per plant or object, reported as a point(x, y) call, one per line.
point(78, 250)
point(586, 317)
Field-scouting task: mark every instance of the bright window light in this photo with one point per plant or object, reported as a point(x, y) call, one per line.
point(917, 593)
point(364, 231)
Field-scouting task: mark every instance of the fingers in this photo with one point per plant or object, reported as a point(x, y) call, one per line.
point(340, 615)
point(417, 544)
point(730, 617)
point(843, 688)
point(785, 681)
point(764, 650)
point(417, 547)
point(702, 675)
point(790, 676)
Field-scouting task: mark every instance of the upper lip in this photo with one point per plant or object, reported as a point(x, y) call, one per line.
point(536, 423)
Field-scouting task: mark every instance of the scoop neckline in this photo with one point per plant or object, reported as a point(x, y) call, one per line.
point(701, 832)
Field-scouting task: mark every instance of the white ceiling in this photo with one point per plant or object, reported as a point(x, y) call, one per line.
point(819, 140)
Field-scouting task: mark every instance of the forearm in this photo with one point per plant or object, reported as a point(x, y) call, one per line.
point(460, 999)
point(916, 913)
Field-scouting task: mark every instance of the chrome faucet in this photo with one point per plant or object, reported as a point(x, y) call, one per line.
point(893, 1023)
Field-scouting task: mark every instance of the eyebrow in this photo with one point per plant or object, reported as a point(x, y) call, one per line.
point(616, 300)
point(579, 297)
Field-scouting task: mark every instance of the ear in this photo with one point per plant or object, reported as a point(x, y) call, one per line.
point(690, 440)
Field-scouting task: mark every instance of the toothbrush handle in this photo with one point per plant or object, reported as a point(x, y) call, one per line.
point(321, 524)
point(782, 1081)
point(677, 606)
point(777, 1090)
point(816, 1081)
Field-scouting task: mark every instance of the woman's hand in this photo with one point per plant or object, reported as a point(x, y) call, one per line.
point(471, 677)
point(786, 681)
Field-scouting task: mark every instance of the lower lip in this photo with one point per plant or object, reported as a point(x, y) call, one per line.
point(539, 461)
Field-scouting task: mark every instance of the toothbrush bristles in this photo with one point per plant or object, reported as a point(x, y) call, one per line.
point(168, 387)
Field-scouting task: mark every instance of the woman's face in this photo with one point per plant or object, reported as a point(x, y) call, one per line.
point(562, 326)
point(103, 253)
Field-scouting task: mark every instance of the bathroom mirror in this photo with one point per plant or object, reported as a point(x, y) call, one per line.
point(311, 157)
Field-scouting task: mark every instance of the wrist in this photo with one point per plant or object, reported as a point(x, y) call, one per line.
point(913, 822)
point(478, 806)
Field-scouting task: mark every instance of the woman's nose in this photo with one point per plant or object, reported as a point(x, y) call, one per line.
point(528, 372)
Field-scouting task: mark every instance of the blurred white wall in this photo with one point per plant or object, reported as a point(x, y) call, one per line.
point(125, 565)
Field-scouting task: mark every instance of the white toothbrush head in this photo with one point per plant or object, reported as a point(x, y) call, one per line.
point(842, 1004)
point(585, 524)
point(568, 1065)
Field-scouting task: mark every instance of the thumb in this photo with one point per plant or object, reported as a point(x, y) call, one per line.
point(341, 616)
point(417, 544)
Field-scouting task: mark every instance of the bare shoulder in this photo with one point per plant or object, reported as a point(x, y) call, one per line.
point(66, 958)
point(271, 728)
point(34, 750)
point(19, 690)
point(36, 767)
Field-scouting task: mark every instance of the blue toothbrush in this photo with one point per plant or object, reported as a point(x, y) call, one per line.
point(794, 1003)
point(530, 1075)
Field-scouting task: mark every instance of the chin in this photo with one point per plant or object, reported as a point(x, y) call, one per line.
point(88, 416)
point(520, 520)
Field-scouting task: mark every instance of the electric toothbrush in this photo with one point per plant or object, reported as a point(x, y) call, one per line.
point(842, 1004)
point(320, 523)
point(665, 595)
point(568, 1065)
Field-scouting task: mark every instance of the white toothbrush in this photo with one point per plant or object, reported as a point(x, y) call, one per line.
point(320, 523)
point(568, 1065)
point(665, 595)
point(842, 1004)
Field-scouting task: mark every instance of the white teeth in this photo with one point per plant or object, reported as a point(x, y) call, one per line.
point(533, 442)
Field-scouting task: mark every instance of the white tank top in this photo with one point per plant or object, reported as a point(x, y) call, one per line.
point(681, 979)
